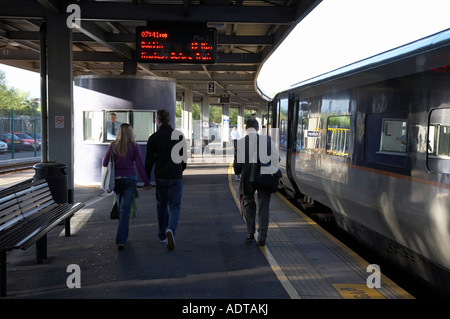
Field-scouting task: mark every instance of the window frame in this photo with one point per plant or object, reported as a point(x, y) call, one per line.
point(102, 138)
point(383, 134)
point(437, 163)
point(340, 130)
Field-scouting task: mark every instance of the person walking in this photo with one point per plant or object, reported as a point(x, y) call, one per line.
point(166, 152)
point(127, 157)
point(245, 164)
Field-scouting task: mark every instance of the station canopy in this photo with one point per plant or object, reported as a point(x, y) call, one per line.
point(105, 44)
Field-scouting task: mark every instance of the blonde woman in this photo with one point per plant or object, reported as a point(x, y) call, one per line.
point(127, 157)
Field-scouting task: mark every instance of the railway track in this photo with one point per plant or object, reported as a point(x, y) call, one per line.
point(14, 165)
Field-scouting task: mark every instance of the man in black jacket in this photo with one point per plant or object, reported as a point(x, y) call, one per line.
point(166, 151)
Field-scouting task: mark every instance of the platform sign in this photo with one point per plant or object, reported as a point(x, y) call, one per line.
point(176, 43)
point(211, 87)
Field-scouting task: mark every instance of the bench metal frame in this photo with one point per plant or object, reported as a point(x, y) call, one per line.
point(27, 213)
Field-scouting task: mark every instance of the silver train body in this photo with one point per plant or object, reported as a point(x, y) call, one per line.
point(371, 141)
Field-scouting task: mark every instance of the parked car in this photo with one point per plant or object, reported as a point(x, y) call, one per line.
point(28, 141)
point(18, 145)
point(3, 147)
point(38, 136)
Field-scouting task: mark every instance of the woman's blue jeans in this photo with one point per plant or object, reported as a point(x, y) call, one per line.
point(124, 190)
point(168, 203)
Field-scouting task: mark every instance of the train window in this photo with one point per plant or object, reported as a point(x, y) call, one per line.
point(439, 141)
point(311, 134)
point(143, 125)
point(338, 135)
point(393, 136)
point(304, 130)
point(386, 139)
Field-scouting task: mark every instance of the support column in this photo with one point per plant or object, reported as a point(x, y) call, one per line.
point(60, 94)
point(225, 124)
point(187, 116)
point(258, 117)
point(205, 118)
point(240, 121)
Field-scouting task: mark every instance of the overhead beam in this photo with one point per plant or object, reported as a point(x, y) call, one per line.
point(197, 13)
point(131, 38)
point(95, 56)
point(115, 11)
point(92, 31)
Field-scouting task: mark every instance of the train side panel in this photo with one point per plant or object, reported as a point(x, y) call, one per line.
point(378, 155)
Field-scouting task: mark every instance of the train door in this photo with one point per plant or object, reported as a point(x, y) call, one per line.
point(291, 147)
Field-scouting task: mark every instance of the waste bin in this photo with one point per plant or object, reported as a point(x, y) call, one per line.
point(56, 177)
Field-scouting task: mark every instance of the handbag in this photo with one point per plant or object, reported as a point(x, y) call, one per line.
point(108, 178)
point(267, 182)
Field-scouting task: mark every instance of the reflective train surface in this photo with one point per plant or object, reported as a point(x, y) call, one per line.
point(371, 141)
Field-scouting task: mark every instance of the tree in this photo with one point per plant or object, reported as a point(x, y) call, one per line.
point(12, 98)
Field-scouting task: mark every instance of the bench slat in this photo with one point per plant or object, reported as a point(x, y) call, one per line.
point(9, 211)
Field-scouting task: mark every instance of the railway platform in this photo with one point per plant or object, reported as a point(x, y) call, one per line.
point(211, 259)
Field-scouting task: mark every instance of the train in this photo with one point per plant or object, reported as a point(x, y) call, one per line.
point(370, 142)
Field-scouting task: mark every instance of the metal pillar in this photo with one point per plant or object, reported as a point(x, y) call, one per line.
point(60, 94)
point(225, 124)
point(187, 116)
point(240, 121)
point(205, 118)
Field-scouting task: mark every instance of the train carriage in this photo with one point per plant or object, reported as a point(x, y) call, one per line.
point(371, 141)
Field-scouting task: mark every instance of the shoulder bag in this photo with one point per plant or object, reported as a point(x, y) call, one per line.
point(108, 178)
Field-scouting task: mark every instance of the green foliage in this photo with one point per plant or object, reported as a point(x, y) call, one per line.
point(12, 98)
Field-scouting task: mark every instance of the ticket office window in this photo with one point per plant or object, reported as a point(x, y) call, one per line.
point(438, 150)
point(113, 121)
point(103, 126)
point(143, 125)
point(92, 126)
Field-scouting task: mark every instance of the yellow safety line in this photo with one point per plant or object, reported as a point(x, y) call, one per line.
point(400, 291)
point(276, 268)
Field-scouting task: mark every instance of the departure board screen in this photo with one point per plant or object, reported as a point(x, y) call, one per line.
point(176, 44)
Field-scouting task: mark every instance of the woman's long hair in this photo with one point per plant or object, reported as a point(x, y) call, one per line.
point(124, 137)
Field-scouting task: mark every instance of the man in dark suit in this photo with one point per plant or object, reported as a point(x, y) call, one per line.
point(245, 164)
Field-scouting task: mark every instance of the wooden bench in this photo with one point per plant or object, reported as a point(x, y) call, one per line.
point(27, 213)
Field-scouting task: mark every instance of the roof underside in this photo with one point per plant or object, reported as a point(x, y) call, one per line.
point(248, 31)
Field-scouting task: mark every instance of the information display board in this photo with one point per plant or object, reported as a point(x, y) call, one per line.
point(177, 43)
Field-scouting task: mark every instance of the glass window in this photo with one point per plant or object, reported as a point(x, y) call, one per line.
point(338, 135)
point(439, 141)
point(283, 123)
point(113, 121)
point(143, 125)
point(311, 133)
point(103, 126)
point(93, 123)
point(385, 139)
point(393, 136)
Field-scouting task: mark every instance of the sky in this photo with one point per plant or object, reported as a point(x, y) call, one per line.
point(336, 33)
point(325, 40)
point(24, 80)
